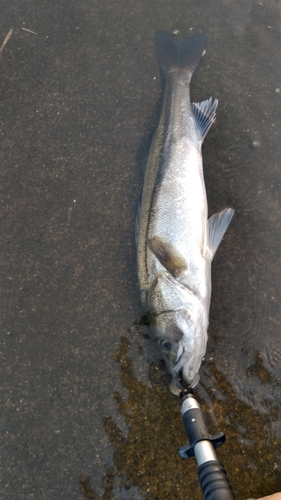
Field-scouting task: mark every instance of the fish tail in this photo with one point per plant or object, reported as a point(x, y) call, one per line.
point(174, 54)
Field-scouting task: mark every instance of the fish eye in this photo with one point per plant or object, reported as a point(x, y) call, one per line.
point(166, 345)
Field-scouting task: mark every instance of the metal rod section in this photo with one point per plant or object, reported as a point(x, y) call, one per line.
point(204, 452)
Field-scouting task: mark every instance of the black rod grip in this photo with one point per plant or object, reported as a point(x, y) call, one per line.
point(214, 481)
point(195, 426)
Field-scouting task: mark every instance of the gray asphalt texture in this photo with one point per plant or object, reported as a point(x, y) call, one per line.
point(86, 410)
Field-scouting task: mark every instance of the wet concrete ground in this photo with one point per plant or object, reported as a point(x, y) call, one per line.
point(86, 410)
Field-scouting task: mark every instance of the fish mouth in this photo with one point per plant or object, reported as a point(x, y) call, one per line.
point(182, 358)
point(195, 381)
point(179, 354)
point(180, 383)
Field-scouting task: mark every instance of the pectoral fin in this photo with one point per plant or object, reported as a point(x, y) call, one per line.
point(217, 225)
point(168, 256)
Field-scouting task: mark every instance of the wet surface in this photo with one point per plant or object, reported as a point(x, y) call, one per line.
point(86, 410)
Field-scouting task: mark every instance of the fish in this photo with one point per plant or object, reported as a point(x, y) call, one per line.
point(176, 241)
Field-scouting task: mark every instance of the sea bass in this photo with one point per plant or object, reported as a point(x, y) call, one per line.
point(176, 240)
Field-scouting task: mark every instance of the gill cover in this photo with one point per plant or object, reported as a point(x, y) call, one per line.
point(177, 317)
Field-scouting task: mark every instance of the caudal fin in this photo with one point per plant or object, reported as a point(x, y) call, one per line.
point(172, 53)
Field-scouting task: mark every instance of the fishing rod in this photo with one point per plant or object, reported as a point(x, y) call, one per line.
point(211, 474)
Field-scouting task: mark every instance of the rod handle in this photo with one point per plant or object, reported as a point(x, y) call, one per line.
point(214, 481)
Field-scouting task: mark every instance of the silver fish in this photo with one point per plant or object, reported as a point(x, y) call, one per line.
point(176, 240)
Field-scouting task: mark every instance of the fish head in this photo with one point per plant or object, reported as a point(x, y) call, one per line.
point(182, 337)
